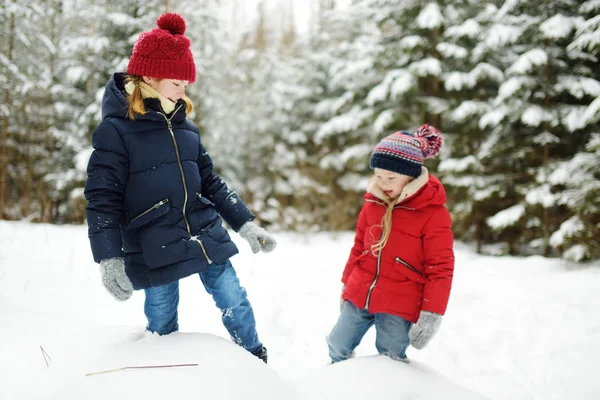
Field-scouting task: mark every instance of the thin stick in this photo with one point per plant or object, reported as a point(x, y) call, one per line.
point(46, 356)
point(141, 367)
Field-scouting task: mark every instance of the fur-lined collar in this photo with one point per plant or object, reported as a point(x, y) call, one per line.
point(410, 189)
point(149, 92)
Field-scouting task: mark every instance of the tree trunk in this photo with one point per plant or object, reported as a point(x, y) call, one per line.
point(4, 143)
point(26, 185)
point(547, 105)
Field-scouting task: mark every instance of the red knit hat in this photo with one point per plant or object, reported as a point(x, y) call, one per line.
point(164, 52)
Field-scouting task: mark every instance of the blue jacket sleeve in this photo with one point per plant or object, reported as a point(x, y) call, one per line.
point(107, 171)
point(227, 202)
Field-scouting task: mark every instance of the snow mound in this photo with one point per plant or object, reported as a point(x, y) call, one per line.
point(219, 370)
point(381, 378)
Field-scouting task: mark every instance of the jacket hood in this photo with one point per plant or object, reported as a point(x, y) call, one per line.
point(425, 190)
point(114, 103)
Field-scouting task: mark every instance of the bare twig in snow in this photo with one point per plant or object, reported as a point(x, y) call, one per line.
point(46, 356)
point(141, 367)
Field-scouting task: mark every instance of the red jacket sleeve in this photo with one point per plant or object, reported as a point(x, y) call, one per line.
point(358, 247)
point(438, 243)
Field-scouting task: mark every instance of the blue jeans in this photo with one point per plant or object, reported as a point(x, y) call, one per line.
point(391, 339)
point(222, 283)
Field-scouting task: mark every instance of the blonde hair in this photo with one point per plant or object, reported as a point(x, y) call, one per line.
point(386, 228)
point(136, 100)
point(386, 221)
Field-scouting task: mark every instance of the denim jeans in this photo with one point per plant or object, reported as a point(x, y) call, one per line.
point(353, 323)
point(222, 283)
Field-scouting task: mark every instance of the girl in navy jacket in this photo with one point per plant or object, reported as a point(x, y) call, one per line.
point(155, 203)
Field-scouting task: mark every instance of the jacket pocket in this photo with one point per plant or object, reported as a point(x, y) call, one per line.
point(408, 270)
point(157, 210)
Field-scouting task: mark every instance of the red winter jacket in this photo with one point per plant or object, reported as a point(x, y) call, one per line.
point(414, 270)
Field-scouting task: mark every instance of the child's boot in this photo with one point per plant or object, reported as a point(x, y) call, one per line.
point(262, 354)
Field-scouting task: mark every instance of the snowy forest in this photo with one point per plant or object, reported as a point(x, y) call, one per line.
point(290, 118)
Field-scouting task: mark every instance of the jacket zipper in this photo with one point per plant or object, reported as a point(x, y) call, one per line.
point(376, 276)
point(379, 259)
point(154, 207)
point(374, 280)
point(203, 250)
point(407, 265)
point(185, 192)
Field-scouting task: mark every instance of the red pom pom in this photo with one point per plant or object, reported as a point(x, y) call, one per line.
point(172, 22)
point(431, 140)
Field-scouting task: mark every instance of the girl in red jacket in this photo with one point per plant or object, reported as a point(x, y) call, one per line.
point(400, 268)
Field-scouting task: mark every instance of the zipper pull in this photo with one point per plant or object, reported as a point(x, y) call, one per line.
point(203, 249)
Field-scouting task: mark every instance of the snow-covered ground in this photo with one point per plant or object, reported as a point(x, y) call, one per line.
point(516, 328)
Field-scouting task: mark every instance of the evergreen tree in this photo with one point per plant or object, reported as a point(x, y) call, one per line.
point(545, 85)
point(473, 46)
point(339, 71)
point(576, 181)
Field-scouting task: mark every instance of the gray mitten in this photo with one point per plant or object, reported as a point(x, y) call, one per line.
point(258, 238)
point(422, 332)
point(114, 278)
point(341, 298)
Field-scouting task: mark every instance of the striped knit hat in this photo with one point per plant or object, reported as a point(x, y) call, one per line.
point(164, 52)
point(403, 152)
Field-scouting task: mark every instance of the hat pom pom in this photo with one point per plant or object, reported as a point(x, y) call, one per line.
point(172, 22)
point(431, 140)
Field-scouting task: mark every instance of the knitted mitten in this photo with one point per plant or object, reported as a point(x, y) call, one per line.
point(422, 332)
point(258, 238)
point(114, 278)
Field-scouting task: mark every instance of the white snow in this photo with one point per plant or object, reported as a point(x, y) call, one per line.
point(449, 50)
point(588, 33)
point(459, 164)
point(578, 86)
point(534, 115)
point(500, 35)
point(468, 109)
point(430, 17)
point(516, 328)
point(383, 121)
point(511, 86)
point(411, 41)
point(348, 121)
point(527, 61)
point(572, 226)
point(577, 253)
point(426, 66)
point(493, 117)
point(457, 81)
point(507, 217)
point(402, 84)
point(396, 82)
point(470, 28)
point(541, 195)
point(559, 26)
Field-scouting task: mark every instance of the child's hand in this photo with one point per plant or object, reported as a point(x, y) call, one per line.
point(422, 332)
point(342, 301)
point(114, 278)
point(258, 238)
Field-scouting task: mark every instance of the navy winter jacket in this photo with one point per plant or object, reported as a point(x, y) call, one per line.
point(153, 196)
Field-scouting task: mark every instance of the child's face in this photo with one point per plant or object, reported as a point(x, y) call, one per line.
point(172, 89)
point(391, 183)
